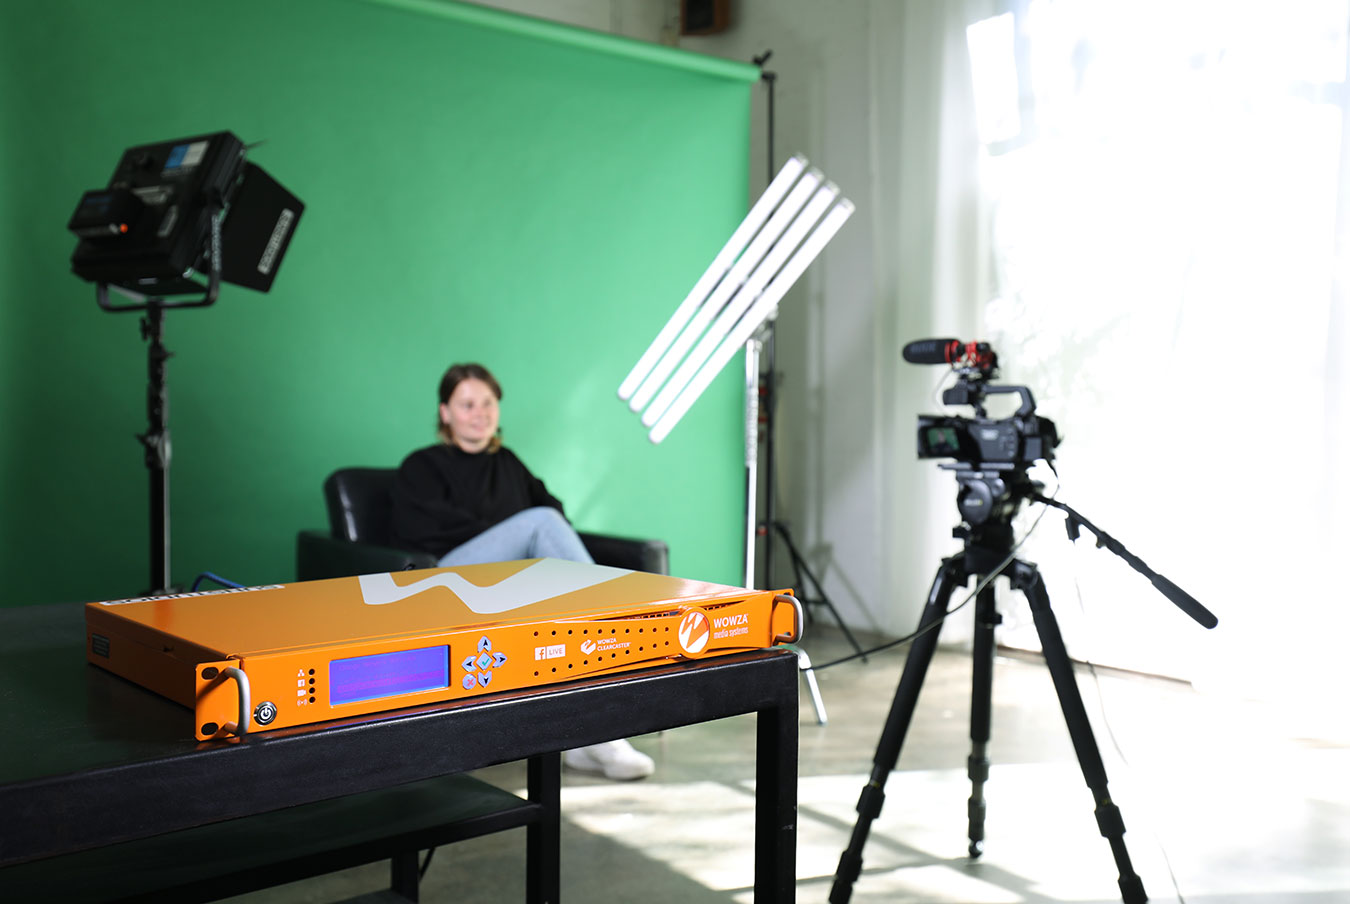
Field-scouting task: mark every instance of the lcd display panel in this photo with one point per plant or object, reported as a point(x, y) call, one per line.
point(388, 674)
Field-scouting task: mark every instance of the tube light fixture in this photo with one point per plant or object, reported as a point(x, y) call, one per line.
point(725, 258)
point(767, 253)
point(744, 297)
point(739, 273)
point(758, 313)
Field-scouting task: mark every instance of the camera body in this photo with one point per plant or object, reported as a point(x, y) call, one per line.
point(1015, 440)
point(992, 455)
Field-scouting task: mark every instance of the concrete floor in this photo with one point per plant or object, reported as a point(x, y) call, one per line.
point(1222, 803)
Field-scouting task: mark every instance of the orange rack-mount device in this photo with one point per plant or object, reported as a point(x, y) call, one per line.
point(270, 657)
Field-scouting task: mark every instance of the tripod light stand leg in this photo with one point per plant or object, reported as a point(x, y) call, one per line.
point(1027, 579)
point(800, 567)
point(981, 704)
point(804, 665)
point(950, 574)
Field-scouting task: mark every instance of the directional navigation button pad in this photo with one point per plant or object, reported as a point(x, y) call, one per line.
point(479, 667)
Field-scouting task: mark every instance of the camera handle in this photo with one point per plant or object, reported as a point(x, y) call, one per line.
point(1028, 405)
point(972, 392)
point(1180, 598)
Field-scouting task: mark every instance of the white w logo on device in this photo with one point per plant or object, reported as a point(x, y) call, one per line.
point(694, 632)
point(534, 583)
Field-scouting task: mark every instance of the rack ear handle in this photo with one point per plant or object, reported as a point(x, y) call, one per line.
point(800, 620)
point(239, 728)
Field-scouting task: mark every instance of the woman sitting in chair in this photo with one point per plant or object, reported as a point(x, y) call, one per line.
point(469, 499)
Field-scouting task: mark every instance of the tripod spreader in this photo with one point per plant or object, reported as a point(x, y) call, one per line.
point(1180, 598)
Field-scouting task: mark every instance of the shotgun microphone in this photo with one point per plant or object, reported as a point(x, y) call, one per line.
point(933, 351)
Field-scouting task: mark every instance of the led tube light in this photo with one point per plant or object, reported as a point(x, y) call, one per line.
point(761, 309)
point(790, 224)
point(739, 273)
point(739, 239)
point(747, 294)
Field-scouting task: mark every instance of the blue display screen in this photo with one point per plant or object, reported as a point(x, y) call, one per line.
point(388, 674)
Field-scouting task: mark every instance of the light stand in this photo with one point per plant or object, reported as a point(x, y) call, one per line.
point(156, 439)
point(790, 224)
point(171, 210)
point(762, 392)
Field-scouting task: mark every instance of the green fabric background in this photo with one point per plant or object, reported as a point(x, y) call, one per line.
point(537, 199)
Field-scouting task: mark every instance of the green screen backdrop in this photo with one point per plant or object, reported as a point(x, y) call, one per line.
point(479, 186)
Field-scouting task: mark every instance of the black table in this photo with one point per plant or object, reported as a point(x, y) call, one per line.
point(88, 759)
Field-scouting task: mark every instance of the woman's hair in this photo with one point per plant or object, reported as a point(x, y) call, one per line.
point(457, 374)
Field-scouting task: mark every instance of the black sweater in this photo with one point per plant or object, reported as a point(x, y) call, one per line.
point(444, 496)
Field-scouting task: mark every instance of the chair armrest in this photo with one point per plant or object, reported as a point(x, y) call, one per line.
point(624, 552)
point(319, 555)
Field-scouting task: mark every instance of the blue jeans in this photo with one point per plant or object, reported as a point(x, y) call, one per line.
point(535, 533)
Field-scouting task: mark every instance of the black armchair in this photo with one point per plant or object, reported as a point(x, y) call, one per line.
point(357, 541)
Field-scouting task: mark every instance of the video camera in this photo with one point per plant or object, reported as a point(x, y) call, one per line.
point(992, 455)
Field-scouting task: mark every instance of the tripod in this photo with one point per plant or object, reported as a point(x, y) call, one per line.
point(988, 547)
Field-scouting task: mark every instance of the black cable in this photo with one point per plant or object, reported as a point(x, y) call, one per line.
point(206, 575)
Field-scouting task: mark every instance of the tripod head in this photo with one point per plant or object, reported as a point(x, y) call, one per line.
point(988, 497)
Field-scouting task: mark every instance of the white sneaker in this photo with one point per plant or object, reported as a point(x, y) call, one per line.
point(615, 760)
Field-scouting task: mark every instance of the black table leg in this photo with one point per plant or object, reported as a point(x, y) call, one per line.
point(543, 838)
point(405, 875)
point(776, 802)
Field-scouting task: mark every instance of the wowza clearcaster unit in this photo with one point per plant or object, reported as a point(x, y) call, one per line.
point(292, 654)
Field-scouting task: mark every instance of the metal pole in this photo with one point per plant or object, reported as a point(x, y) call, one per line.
point(752, 351)
point(157, 447)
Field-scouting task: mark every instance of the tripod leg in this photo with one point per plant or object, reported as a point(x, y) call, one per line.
point(981, 703)
point(950, 574)
point(800, 567)
point(1027, 579)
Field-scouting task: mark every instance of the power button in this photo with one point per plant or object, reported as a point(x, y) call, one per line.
point(265, 712)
